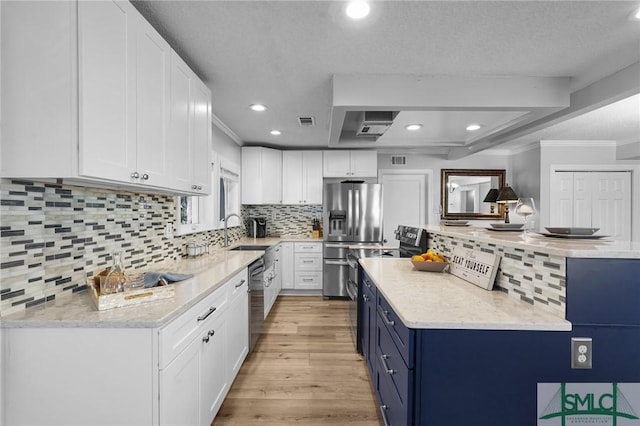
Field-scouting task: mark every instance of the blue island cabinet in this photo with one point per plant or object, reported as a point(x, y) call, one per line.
point(480, 377)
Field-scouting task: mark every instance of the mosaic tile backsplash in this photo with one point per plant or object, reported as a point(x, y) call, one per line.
point(291, 220)
point(530, 276)
point(54, 236)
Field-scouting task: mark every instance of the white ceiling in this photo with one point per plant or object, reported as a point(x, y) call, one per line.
point(285, 54)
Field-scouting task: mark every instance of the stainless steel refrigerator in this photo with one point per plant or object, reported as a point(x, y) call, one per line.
point(352, 215)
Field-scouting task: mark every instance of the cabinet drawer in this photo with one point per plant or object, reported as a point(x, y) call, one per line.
point(403, 337)
point(391, 365)
point(237, 285)
point(176, 336)
point(391, 408)
point(307, 247)
point(308, 280)
point(308, 261)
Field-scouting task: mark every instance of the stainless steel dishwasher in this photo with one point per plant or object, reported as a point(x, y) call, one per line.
point(256, 301)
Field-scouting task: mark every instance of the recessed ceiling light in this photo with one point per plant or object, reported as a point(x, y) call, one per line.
point(473, 127)
point(276, 132)
point(635, 15)
point(258, 107)
point(358, 9)
point(413, 127)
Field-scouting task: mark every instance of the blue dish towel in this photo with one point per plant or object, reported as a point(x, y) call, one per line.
point(151, 279)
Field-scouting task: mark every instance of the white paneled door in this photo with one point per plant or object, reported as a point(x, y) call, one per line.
point(404, 201)
point(600, 199)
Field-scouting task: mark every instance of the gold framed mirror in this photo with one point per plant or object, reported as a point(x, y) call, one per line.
point(463, 193)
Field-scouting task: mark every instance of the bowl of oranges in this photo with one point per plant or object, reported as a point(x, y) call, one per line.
point(429, 261)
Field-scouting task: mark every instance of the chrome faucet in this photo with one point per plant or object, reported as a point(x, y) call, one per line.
point(226, 233)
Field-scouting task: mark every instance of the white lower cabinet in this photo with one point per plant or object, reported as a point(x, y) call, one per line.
point(178, 374)
point(286, 266)
point(308, 266)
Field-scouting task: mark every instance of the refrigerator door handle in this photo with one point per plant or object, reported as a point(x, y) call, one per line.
point(357, 212)
point(350, 212)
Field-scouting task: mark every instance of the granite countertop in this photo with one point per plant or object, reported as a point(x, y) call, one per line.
point(210, 272)
point(597, 248)
point(437, 300)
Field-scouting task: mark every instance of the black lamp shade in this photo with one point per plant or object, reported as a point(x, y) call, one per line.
point(507, 195)
point(492, 196)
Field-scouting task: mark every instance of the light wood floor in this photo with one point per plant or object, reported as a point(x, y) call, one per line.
point(304, 370)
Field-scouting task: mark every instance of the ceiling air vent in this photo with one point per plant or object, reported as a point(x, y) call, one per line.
point(306, 121)
point(398, 159)
point(374, 123)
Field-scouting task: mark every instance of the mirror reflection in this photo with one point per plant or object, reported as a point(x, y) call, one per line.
point(464, 192)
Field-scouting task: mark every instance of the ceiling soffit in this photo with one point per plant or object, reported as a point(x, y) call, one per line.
point(512, 102)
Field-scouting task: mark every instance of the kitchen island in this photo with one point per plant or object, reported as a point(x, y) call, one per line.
point(443, 352)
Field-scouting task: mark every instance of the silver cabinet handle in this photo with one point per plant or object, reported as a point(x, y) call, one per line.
point(383, 412)
point(145, 176)
point(211, 332)
point(205, 316)
point(205, 339)
point(365, 297)
point(199, 187)
point(240, 283)
point(385, 317)
point(366, 283)
point(135, 175)
point(384, 358)
point(194, 186)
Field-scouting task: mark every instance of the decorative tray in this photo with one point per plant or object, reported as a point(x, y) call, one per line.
point(503, 226)
point(454, 222)
point(571, 231)
point(572, 236)
point(130, 297)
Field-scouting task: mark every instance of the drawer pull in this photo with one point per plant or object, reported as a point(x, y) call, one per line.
point(307, 261)
point(240, 283)
point(205, 316)
point(307, 280)
point(388, 370)
point(205, 339)
point(211, 332)
point(367, 283)
point(385, 317)
point(365, 297)
point(383, 412)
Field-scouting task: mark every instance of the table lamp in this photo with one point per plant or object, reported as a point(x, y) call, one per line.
point(506, 196)
point(491, 197)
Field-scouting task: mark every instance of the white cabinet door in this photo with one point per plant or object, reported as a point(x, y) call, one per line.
point(201, 143)
point(261, 175)
point(107, 107)
point(179, 402)
point(292, 182)
point(350, 164)
point(312, 169)
point(181, 107)
point(337, 163)
point(214, 377)
point(287, 266)
point(238, 329)
point(154, 165)
point(364, 164)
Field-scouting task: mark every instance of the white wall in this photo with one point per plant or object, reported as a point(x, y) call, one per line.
point(525, 180)
point(594, 155)
point(434, 163)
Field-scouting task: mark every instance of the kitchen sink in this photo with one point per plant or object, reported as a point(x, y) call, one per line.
point(251, 247)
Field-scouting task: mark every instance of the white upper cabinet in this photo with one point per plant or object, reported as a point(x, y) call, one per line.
point(190, 129)
point(261, 175)
point(103, 79)
point(302, 177)
point(107, 76)
point(350, 164)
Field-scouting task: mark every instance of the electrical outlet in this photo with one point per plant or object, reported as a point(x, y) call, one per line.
point(581, 352)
